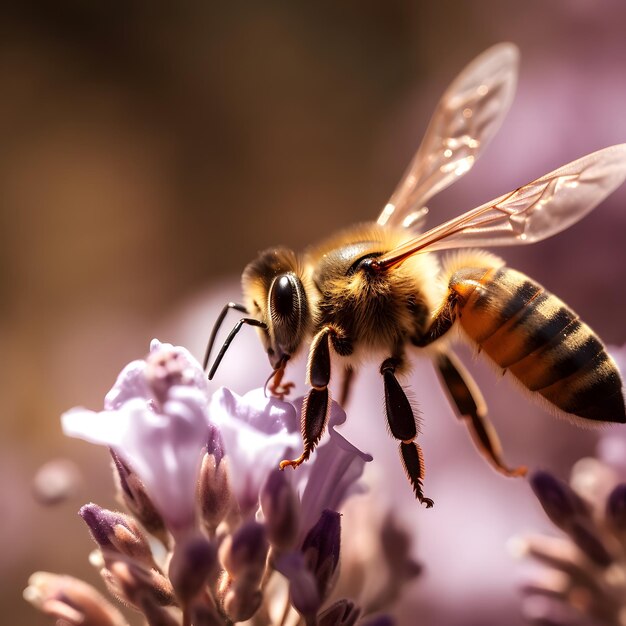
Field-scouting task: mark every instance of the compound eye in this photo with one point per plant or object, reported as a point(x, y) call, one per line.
point(283, 296)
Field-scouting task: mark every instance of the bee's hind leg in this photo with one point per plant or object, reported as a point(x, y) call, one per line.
point(403, 426)
point(316, 407)
point(471, 407)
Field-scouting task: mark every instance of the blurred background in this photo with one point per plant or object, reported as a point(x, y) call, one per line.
point(150, 149)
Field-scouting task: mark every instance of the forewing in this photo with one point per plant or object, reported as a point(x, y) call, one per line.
point(466, 118)
point(531, 213)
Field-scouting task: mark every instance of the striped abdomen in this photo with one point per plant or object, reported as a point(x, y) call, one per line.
point(531, 333)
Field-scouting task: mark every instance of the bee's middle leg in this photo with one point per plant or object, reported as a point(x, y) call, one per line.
point(316, 407)
point(403, 426)
point(471, 408)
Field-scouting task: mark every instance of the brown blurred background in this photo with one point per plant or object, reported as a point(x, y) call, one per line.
point(149, 149)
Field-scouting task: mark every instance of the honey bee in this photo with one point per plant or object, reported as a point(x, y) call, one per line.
point(376, 289)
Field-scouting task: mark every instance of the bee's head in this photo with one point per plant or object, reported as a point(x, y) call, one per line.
point(275, 295)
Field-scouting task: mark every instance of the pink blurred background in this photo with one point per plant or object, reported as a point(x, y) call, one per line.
point(149, 150)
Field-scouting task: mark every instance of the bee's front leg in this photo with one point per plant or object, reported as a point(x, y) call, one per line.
point(403, 426)
point(316, 407)
point(346, 385)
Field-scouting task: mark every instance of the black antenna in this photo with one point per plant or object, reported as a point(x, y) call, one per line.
point(218, 359)
point(236, 328)
point(216, 327)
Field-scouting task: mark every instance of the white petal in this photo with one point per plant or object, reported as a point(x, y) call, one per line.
point(130, 384)
point(256, 436)
point(104, 428)
point(266, 414)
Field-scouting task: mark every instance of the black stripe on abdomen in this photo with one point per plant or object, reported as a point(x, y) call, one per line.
point(593, 392)
point(531, 333)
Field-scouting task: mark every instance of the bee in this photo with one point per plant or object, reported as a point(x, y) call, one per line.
point(376, 290)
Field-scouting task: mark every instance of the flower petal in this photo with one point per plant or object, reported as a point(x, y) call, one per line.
point(257, 436)
point(130, 384)
point(336, 467)
point(104, 428)
point(268, 415)
point(161, 441)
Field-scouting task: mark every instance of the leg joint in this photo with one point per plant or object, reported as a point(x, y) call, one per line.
point(390, 365)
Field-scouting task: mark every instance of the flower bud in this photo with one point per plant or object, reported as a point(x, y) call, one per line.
point(616, 508)
point(588, 540)
point(132, 494)
point(71, 601)
point(321, 551)
point(130, 582)
point(117, 532)
point(193, 565)
point(303, 592)
point(560, 502)
point(280, 507)
point(342, 613)
point(244, 553)
point(156, 615)
point(241, 602)
point(214, 490)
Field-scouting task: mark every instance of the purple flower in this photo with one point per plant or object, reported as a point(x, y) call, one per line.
point(258, 432)
point(581, 573)
point(337, 466)
point(155, 418)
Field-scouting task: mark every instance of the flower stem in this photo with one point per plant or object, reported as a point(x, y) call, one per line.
point(186, 616)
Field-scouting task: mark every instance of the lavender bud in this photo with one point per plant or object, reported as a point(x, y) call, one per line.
point(156, 615)
point(193, 564)
point(241, 602)
point(132, 494)
point(244, 553)
point(560, 502)
point(321, 550)
point(616, 507)
point(214, 489)
point(117, 532)
point(342, 613)
point(71, 601)
point(130, 582)
point(215, 445)
point(303, 592)
point(203, 614)
point(586, 538)
point(281, 508)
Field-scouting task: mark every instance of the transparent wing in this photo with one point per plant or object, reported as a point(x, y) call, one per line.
point(466, 118)
point(531, 213)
